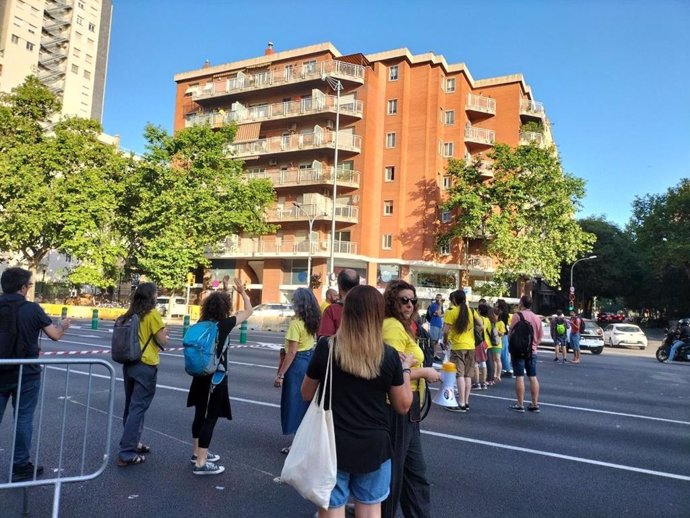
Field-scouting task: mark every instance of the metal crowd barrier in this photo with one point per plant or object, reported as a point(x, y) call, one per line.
point(68, 434)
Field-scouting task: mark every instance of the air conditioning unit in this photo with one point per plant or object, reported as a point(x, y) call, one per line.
point(330, 125)
point(273, 161)
point(292, 127)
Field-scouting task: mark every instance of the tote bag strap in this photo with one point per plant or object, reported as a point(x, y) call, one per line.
point(328, 378)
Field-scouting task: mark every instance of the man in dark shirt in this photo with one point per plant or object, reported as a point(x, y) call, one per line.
point(31, 320)
point(330, 320)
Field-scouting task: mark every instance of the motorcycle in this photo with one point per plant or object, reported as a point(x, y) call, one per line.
point(682, 353)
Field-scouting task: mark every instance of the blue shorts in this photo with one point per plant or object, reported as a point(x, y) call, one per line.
point(575, 341)
point(520, 366)
point(366, 488)
point(435, 333)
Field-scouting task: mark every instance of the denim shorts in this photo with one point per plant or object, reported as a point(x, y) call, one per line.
point(366, 488)
point(520, 366)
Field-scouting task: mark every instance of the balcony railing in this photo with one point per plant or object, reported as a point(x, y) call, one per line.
point(297, 142)
point(248, 82)
point(479, 103)
point(277, 111)
point(265, 247)
point(480, 135)
point(479, 263)
point(531, 108)
point(308, 176)
point(529, 137)
point(321, 211)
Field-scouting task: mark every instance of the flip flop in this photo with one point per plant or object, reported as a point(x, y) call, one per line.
point(137, 459)
point(144, 448)
point(285, 450)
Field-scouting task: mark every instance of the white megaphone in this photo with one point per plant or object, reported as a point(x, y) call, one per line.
point(446, 394)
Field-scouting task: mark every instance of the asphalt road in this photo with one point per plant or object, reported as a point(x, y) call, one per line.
point(613, 438)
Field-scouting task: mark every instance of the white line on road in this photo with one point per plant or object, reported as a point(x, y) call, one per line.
point(560, 456)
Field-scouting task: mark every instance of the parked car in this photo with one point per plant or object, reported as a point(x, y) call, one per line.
point(610, 318)
point(546, 339)
point(592, 338)
point(175, 307)
point(624, 335)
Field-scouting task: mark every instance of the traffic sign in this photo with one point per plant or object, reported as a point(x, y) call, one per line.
point(572, 297)
point(572, 289)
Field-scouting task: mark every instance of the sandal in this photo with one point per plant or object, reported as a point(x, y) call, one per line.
point(137, 459)
point(285, 450)
point(144, 448)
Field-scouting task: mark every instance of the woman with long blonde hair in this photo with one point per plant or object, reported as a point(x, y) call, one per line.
point(365, 373)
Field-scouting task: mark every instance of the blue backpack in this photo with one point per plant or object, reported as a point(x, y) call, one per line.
point(200, 348)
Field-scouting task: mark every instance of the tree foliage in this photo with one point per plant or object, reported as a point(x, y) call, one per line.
point(58, 182)
point(524, 216)
point(185, 196)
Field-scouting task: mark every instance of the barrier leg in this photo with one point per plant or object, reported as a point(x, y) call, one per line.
point(94, 319)
point(185, 325)
point(243, 332)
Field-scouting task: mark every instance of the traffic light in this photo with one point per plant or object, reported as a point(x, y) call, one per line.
point(190, 278)
point(571, 307)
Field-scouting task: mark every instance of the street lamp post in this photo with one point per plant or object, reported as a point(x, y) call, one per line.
point(310, 218)
point(572, 288)
point(336, 85)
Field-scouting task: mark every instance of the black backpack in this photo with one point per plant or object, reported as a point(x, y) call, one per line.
point(124, 345)
point(11, 347)
point(520, 343)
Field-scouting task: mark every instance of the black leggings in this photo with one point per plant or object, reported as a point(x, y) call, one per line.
point(202, 427)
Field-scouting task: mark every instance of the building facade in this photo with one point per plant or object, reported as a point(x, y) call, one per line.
point(62, 42)
point(397, 118)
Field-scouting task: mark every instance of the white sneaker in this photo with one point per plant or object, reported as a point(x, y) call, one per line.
point(209, 469)
point(210, 457)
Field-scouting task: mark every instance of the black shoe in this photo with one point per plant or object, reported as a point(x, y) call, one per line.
point(456, 409)
point(25, 472)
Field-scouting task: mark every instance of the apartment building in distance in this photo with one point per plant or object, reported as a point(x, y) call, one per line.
point(62, 42)
point(401, 117)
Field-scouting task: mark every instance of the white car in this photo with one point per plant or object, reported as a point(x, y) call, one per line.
point(174, 308)
point(271, 316)
point(624, 335)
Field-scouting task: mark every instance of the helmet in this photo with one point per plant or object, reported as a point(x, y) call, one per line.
point(684, 322)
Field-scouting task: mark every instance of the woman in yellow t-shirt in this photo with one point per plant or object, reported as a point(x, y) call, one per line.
point(408, 468)
point(299, 344)
point(496, 343)
point(458, 332)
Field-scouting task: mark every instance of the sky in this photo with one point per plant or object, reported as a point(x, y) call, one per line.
point(613, 75)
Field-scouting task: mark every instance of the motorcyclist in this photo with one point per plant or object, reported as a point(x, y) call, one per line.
point(683, 337)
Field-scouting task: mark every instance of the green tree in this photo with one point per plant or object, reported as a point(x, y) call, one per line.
point(58, 182)
point(660, 226)
point(185, 196)
point(524, 217)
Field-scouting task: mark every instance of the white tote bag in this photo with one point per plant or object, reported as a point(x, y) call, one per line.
point(311, 466)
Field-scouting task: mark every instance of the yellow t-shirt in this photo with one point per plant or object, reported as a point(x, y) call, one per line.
point(501, 328)
point(150, 325)
point(324, 305)
point(296, 332)
point(395, 335)
point(487, 330)
point(463, 340)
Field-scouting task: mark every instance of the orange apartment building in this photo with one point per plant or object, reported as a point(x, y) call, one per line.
point(402, 116)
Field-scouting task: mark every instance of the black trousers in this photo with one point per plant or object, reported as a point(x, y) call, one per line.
point(409, 486)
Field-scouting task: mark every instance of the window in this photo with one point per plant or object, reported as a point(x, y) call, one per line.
point(92, 27)
point(392, 107)
point(89, 58)
point(289, 70)
point(15, 38)
point(444, 249)
point(389, 174)
point(29, 45)
point(393, 73)
point(450, 85)
point(78, 35)
point(87, 74)
point(390, 140)
point(387, 241)
point(80, 5)
point(445, 216)
point(449, 118)
point(80, 20)
point(388, 208)
point(77, 52)
point(447, 149)
point(91, 42)
point(309, 67)
point(75, 69)
point(446, 182)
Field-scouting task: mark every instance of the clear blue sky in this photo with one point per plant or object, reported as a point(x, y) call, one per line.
point(613, 74)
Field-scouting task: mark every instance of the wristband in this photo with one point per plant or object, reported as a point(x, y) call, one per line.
point(409, 371)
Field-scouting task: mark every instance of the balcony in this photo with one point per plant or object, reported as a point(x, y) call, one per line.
point(531, 110)
point(309, 176)
point(319, 139)
point(478, 264)
point(479, 136)
point(480, 105)
point(263, 247)
point(319, 211)
point(241, 83)
point(532, 137)
point(277, 111)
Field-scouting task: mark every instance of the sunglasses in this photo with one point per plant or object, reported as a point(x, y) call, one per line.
point(405, 300)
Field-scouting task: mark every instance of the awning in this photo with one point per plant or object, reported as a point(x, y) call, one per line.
point(355, 59)
point(248, 132)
